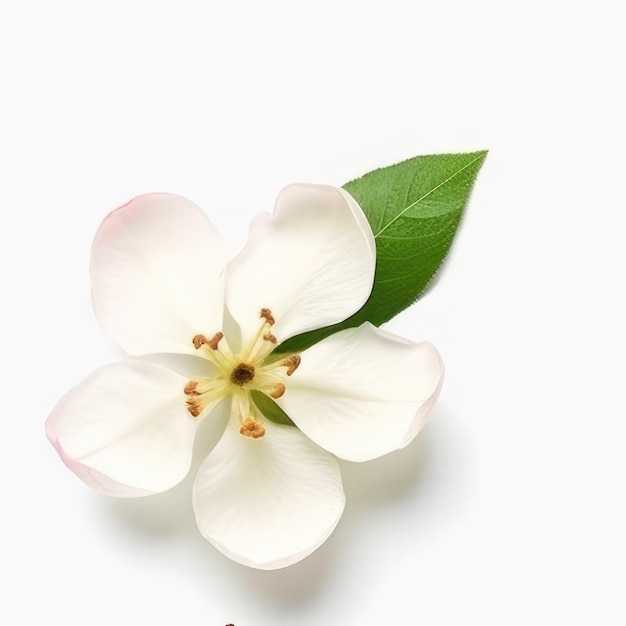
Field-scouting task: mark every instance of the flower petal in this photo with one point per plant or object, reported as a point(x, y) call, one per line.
point(125, 430)
point(157, 275)
point(312, 263)
point(268, 502)
point(364, 392)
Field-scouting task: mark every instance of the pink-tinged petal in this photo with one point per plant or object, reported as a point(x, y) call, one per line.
point(157, 275)
point(312, 262)
point(364, 392)
point(125, 429)
point(268, 502)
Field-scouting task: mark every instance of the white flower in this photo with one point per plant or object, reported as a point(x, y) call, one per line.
point(268, 494)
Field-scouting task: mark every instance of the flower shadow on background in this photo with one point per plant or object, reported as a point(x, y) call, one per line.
point(395, 479)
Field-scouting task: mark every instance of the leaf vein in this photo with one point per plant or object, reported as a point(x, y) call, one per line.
point(428, 193)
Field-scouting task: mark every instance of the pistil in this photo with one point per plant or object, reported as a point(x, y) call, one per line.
point(242, 374)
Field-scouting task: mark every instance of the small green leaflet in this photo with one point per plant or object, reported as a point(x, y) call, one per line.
point(269, 408)
point(414, 209)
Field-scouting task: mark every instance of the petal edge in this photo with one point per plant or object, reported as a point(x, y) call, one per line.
point(312, 262)
point(157, 275)
point(270, 502)
point(124, 430)
point(364, 392)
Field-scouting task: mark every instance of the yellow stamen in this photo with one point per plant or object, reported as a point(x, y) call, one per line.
point(217, 337)
point(200, 340)
point(193, 406)
point(266, 314)
point(251, 428)
point(278, 391)
point(261, 345)
point(292, 363)
point(190, 388)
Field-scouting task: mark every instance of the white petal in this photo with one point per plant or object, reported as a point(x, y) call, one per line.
point(157, 275)
point(312, 263)
point(125, 430)
point(268, 502)
point(364, 392)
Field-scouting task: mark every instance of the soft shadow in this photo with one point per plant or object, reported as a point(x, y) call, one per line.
point(390, 477)
point(301, 583)
point(292, 589)
point(399, 477)
point(159, 516)
point(381, 482)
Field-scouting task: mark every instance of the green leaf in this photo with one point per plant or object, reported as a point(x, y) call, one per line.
point(414, 209)
point(269, 408)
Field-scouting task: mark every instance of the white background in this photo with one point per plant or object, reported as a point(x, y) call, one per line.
point(509, 508)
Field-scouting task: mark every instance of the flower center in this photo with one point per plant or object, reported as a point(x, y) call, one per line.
point(235, 376)
point(242, 374)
